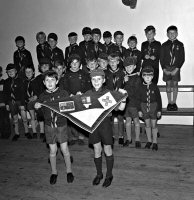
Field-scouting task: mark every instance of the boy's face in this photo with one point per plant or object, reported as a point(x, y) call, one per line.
point(172, 34)
point(72, 40)
point(29, 73)
point(12, 73)
point(119, 39)
point(107, 40)
point(150, 35)
point(20, 44)
point(92, 64)
point(50, 83)
point(147, 78)
point(130, 68)
point(52, 43)
point(41, 39)
point(114, 64)
point(97, 82)
point(96, 38)
point(87, 37)
point(59, 70)
point(75, 64)
point(44, 67)
point(102, 64)
point(132, 44)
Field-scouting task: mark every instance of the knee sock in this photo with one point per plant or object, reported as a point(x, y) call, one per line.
point(109, 165)
point(98, 164)
point(148, 133)
point(16, 127)
point(33, 126)
point(53, 164)
point(121, 129)
point(154, 133)
point(128, 131)
point(137, 132)
point(67, 162)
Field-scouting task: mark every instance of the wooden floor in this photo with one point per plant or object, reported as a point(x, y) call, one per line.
point(139, 174)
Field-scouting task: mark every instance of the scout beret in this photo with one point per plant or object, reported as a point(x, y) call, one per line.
point(96, 31)
point(18, 38)
point(107, 34)
point(72, 34)
point(10, 66)
point(52, 36)
point(97, 72)
point(86, 30)
point(148, 70)
point(129, 61)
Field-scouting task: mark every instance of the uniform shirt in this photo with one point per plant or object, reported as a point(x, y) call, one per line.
point(36, 86)
point(154, 95)
point(21, 59)
point(84, 46)
point(76, 81)
point(95, 49)
point(134, 53)
point(49, 115)
point(132, 87)
point(55, 54)
point(2, 98)
point(108, 47)
point(42, 51)
point(13, 90)
point(172, 56)
point(27, 92)
point(115, 79)
point(151, 49)
point(120, 50)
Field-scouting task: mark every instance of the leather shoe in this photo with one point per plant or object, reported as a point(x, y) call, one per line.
point(53, 179)
point(127, 142)
point(97, 179)
point(70, 177)
point(155, 147)
point(15, 137)
point(107, 181)
point(137, 144)
point(148, 145)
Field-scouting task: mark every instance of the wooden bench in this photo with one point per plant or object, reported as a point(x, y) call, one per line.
point(180, 111)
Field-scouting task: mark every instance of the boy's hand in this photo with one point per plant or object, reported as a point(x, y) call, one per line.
point(78, 93)
point(126, 78)
point(122, 91)
point(140, 114)
point(159, 114)
point(37, 105)
point(71, 95)
point(147, 57)
point(167, 72)
point(152, 57)
point(33, 98)
point(174, 71)
point(7, 107)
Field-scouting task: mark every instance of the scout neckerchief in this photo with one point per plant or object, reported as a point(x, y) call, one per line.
point(29, 92)
point(132, 51)
point(21, 56)
point(147, 96)
point(53, 114)
point(42, 49)
point(172, 48)
point(115, 78)
point(13, 99)
point(96, 47)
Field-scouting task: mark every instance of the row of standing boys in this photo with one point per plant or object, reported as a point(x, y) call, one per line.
point(122, 67)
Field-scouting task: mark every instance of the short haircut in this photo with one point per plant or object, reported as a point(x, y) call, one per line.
point(150, 28)
point(51, 74)
point(40, 33)
point(132, 38)
point(19, 38)
point(118, 33)
point(29, 67)
point(172, 28)
point(58, 63)
point(114, 56)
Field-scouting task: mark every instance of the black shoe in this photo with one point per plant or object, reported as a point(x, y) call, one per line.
point(70, 177)
point(137, 144)
point(53, 179)
point(43, 137)
point(28, 135)
point(34, 135)
point(15, 137)
point(121, 140)
point(148, 145)
point(127, 142)
point(113, 140)
point(71, 159)
point(174, 107)
point(107, 181)
point(169, 107)
point(81, 142)
point(97, 179)
point(71, 142)
point(155, 147)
